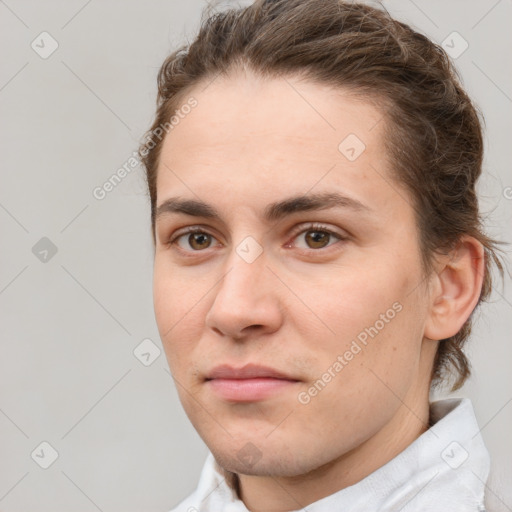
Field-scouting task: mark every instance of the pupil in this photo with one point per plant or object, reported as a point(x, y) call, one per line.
point(317, 238)
point(198, 240)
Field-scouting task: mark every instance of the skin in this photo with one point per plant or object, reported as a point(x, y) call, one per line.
point(296, 308)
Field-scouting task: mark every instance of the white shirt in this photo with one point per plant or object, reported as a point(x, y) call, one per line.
point(443, 470)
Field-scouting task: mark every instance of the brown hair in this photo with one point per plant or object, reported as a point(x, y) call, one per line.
point(433, 135)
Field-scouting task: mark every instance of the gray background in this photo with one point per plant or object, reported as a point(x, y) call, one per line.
point(70, 324)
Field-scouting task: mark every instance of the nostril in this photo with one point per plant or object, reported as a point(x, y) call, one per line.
point(253, 327)
point(249, 329)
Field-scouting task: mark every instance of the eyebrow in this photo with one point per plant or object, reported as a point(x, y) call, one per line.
point(273, 211)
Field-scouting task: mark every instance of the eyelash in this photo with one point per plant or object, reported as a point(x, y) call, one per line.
point(300, 230)
point(315, 226)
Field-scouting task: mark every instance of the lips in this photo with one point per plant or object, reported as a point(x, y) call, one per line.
point(249, 371)
point(249, 383)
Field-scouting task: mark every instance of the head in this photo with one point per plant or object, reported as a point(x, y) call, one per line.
point(335, 232)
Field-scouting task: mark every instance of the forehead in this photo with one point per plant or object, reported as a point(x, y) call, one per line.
point(253, 109)
point(271, 134)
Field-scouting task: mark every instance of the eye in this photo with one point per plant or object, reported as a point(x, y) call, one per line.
point(194, 239)
point(316, 237)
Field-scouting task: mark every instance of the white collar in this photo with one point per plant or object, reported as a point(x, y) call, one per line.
point(445, 469)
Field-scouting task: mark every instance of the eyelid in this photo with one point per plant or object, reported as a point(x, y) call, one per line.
point(318, 226)
point(186, 231)
point(297, 230)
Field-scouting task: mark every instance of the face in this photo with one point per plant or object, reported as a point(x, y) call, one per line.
point(293, 315)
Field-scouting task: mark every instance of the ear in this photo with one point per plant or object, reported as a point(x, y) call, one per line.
point(455, 289)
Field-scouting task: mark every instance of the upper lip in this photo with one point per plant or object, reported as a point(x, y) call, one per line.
point(249, 371)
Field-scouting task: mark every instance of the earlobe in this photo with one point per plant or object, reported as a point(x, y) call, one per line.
point(456, 289)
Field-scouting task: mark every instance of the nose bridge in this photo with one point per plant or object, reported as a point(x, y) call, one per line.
point(244, 280)
point(244, 296)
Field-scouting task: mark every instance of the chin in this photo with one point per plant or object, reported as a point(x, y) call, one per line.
point(257, 460)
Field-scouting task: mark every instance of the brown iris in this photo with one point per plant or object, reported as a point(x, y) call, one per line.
point(317, 239)
point(199, 241)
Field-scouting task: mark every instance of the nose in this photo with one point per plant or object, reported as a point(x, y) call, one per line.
point(245, 302)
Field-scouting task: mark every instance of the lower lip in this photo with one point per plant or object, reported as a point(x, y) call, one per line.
point(248, 390)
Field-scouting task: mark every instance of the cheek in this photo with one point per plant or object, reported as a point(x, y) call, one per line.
point(370, 309)
point(352, 301)
point(358, 385)
point(178, 311)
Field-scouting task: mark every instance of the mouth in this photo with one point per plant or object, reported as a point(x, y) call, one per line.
point(249, 383)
